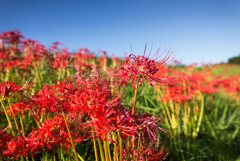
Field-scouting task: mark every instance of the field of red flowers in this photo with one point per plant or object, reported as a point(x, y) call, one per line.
point(60, 105)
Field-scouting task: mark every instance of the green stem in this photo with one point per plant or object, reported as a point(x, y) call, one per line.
point(200, 115)
point(21, 121)
point(14, 118)
point(53, 156)
point(70, 136)
point(43, 156)
point(38, 77)
point(69, 155)
point(138, 146)
point(22, 159)
point(7, 75)
point(6, 114)
point(133, 109)
point(62, 155)
point(38, 123)
point(32, 158)
point(27, 158)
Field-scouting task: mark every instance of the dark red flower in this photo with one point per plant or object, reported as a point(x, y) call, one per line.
point(11, 37)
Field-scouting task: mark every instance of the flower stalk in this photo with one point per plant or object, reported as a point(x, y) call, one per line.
point(138, 146)
point(94, 145)
point(8, 119)
point(135, 98)
point(70, 136)
point(120, 145)
point(37, 74)
point(100, 148)
point(14, 118)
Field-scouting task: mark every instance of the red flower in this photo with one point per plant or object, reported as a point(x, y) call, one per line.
point(154, 153)
point(17, 147)
point(54, 46)
point(61, 60)
point(9, 87)
point(4, 139)
point(142, 68)
point(51, 135)
point(18, 107)
point(11, 37)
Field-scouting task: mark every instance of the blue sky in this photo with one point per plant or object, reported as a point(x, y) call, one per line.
point(196, 30)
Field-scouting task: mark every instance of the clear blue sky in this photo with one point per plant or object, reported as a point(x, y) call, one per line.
point(196, 30)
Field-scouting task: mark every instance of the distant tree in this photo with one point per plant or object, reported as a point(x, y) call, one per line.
point(234, 60)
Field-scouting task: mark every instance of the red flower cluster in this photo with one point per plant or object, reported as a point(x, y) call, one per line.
point(51, 135)
point(4, 139)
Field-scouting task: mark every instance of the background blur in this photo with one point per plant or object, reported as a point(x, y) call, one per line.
point(197, 31)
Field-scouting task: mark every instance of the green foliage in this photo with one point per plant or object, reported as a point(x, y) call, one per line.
point(234, 60)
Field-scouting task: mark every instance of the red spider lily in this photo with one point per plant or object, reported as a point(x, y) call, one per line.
point(16, 148)
point(178, 93)
point(27, 62)
point(4, 139)
point(101, 120)
point(89, 95)
point(11, 63)
point(95, 90)
point(29, 43)
point(93, 98)
point(34, 49)
point(154, 153)
point(54, 46)
point(4, 55)
point(106, 120)
point(125, 123)
point(84, 53)
point(83, 60)
point(61, 61)
point(18, 107)
point(51, 98)
point(13, 50)
point(11, 37)
point(208, 87)
point(9, 87)
point(187, 86)
point(148, 125)
point(52, 134)
point(89, 98)
point(142, 68)
point(83, 67)
point(144, 126)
